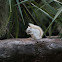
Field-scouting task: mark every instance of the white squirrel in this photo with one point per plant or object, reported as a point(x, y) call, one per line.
point(35, 31)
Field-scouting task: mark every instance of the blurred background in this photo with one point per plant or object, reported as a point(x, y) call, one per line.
point(16, 14)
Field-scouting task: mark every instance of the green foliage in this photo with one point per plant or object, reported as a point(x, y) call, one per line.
point(45, 13)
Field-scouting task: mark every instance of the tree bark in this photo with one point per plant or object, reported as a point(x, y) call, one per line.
point(27, 50)
point(4, 11)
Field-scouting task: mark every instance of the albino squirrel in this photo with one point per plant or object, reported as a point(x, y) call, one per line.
point(35, 31)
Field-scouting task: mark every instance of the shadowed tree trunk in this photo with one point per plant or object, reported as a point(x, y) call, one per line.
point(27, 50)
point(3, 16)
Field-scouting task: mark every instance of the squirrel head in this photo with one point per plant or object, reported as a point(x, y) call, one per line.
point(29, 30)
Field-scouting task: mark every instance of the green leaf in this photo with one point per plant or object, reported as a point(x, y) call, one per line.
point(17, 28)
point(58, 1)
point(57, 14)
point(29, 13)
point(20, 3)
point(10, 5)
point(50, 8)
point(20, 11)
point(42, 11)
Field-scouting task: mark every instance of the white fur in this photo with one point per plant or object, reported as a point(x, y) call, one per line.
point(34, 31)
